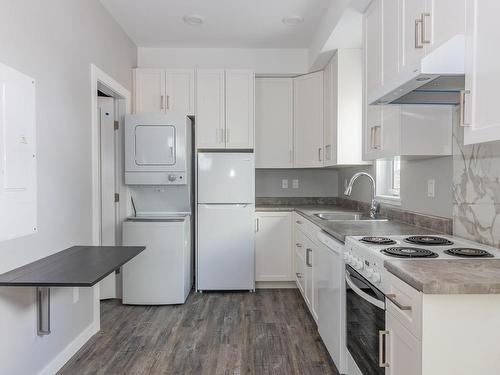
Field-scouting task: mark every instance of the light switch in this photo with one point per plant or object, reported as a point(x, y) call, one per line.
point(284, 184)
point(295, 184)
point(431, 186)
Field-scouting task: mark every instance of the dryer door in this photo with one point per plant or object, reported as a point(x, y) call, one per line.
point(155, 145)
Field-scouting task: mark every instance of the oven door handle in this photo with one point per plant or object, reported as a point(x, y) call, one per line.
point(366, 297)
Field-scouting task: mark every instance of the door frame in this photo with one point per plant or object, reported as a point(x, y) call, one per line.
point(99, 80)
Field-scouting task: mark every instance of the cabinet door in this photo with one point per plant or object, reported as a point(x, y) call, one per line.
point(309, 274)
point(149, 90)
point(482, 72)
point(403, 350)
point(442, 20)
point(240, 110)
point(299, 261)
point(273, 123)
point(373, 49)
point(180, 90)
point(308, 120)
point(273, 247)
point(210, 118)
point(390, 45)
point(412, 48)
point(331, 92)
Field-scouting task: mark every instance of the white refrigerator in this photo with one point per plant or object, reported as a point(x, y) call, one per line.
point(226, 206)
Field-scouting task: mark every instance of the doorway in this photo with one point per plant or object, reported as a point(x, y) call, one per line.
point(110, 103)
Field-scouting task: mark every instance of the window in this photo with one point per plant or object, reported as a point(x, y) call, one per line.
point(389, 179)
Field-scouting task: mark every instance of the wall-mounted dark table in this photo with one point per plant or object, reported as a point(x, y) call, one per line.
point(78, 266)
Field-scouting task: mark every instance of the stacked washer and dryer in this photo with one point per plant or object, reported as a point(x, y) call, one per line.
point(158, 172)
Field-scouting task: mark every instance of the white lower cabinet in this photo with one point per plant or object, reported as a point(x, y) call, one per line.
point(273, 246)
point(404, 351)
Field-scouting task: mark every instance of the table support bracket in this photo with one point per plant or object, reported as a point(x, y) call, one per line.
point(43, 310)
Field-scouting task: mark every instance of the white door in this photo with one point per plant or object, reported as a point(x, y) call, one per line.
point(373, 30)
point(403, 350)
point(413, 46)
point(149, 90)
point(273, 246)
point(226, 178)
point(308, 120)
point(107, 286)
point(240, 109)
point(273, 123)
point(226, 247)
point(482, 72)
point(180, 90)
point(210, 108)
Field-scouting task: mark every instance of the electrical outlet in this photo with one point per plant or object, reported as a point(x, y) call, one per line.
point(295, 184)
point(284, 184)
point(76, 295)
point(431, 188)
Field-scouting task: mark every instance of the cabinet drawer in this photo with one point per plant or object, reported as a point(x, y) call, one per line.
point(405, 304)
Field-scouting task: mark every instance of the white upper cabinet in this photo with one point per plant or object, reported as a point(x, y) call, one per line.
point(149, 90)
point(180, 90)
point(161, 90)
point(373, 34)
point(308, 120)
point(408, 130)
point(343, 107)
point(482, 76)
point(442, 20)
point(273, 122)
point(240, 109)
point(225, 108)
point(210, 109)
point(413, 47)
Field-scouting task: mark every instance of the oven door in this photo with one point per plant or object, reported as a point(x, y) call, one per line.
point(365, 323)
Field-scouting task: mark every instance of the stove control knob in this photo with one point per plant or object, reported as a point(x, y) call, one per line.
point(376, 277)
point(358, 264)
point(172, 177)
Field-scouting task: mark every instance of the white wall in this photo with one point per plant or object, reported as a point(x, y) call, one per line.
point(263, 61)
point(312, 183)
point(414, 176)
point(55, 41)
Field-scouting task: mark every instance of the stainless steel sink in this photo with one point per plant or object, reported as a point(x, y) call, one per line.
point(347, 216)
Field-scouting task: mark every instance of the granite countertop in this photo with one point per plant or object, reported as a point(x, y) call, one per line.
point(341, 229)
point(449, 276)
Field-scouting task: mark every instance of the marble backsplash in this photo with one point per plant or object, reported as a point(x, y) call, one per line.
point(476, 190)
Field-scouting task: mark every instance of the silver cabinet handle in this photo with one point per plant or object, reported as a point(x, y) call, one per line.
point(382, 354)
point(319, 154)
point(308, 252)
point(257, 226)
point(299, 275)
point(417, 30)
point(299, 222)
point(162, 101)
point(392, 298)
point(371, 138)
point(422, 36)
point(168, 101)
point(463, 93)
point(171, 151)
point(298, 244)
point(374, 131)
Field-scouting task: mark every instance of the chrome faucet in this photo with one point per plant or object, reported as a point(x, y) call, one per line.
point(375, 206)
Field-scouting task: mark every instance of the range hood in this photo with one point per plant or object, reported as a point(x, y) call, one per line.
point(438, 78)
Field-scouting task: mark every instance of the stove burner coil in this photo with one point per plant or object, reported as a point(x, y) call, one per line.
point(409, 252)
point(428, 240)
point(467, 252)
point(378, 240)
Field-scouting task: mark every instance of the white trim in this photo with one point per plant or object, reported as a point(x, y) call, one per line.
point(69, 351)
point(275, 285)
point(98, 77)
point(389, 200)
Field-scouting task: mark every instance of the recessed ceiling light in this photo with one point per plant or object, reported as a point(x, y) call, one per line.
point(292, 20)
point(193, 19)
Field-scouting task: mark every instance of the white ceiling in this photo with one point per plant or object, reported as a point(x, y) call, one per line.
point(228, 23)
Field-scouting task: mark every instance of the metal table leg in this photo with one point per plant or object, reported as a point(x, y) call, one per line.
point(43, 310)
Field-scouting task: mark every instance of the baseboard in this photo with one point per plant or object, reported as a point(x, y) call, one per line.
point(275, 285)
point(69, 351)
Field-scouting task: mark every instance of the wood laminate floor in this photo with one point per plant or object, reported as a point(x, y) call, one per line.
point(267, 332)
